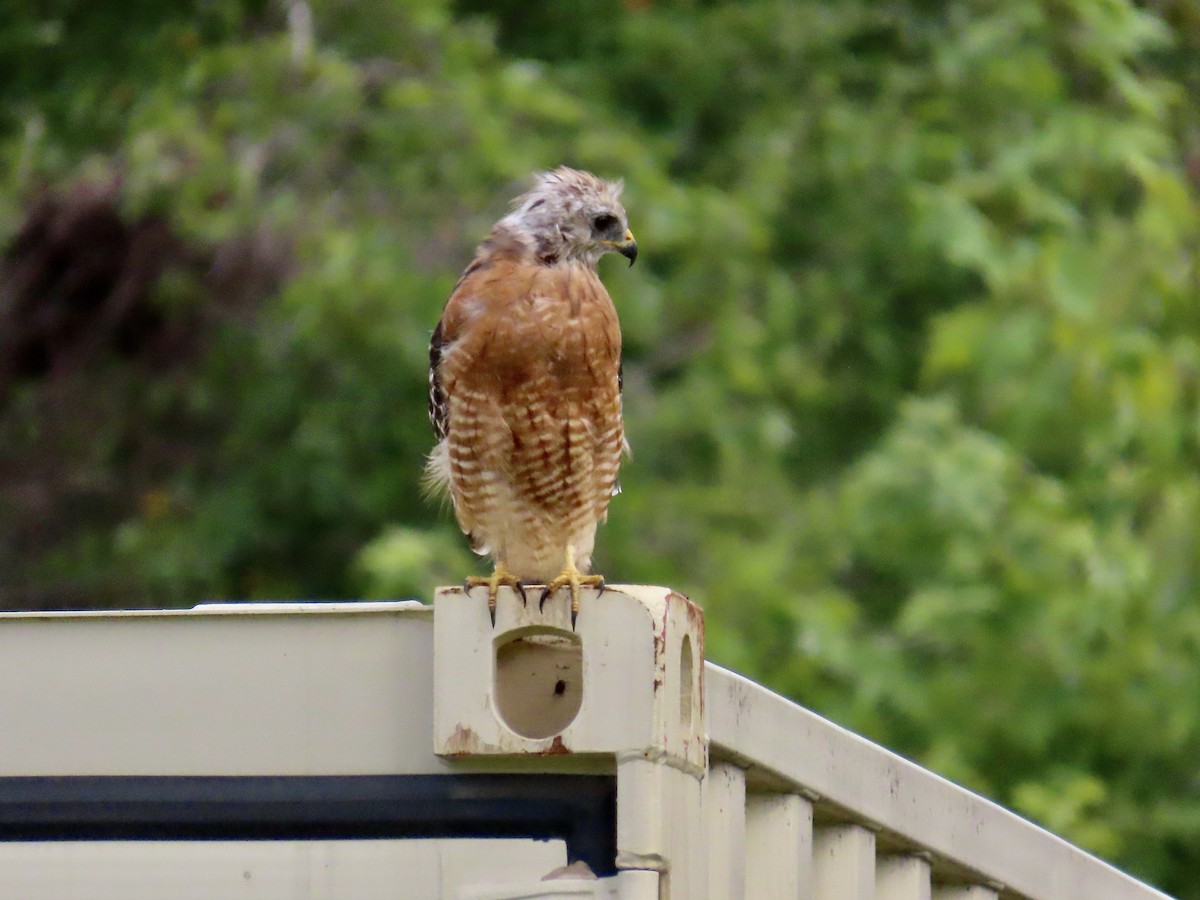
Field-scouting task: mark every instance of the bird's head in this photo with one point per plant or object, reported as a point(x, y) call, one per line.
point(569, 215)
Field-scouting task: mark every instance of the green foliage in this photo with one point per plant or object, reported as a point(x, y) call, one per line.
point(912, 350)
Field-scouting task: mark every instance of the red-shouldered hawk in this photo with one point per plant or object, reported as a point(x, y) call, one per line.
point(525, 386)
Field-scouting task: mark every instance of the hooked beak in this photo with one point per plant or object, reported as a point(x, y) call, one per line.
point(627, 247)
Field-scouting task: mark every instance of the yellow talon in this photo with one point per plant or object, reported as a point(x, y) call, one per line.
point(499, 578)
point(571, 577)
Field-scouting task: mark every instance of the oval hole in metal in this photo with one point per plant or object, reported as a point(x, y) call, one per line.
point(685, 682)
point(539, 681)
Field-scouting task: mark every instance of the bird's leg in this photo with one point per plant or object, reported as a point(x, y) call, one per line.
point(571, 577)
point(499, 578)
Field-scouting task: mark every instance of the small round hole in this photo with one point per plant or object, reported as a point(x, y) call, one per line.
point(539, 681)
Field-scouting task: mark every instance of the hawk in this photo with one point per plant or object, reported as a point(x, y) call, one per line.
point(525, 387)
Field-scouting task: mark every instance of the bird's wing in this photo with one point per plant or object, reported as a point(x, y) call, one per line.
point(439, 411)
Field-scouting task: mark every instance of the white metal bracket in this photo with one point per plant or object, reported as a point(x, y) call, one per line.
point(628, 677)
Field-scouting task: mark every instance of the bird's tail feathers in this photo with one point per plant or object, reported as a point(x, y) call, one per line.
point(435, 481)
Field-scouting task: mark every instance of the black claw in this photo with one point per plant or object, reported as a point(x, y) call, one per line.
point(574, 616)
point(492, 614)
point(520, 588)
point(601, 588)
point(545, 596)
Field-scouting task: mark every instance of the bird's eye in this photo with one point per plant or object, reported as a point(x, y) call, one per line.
point(604, 222)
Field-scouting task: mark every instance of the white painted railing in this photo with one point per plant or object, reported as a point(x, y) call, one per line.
point(791, 805)
point(884, 827)
point(264, 720)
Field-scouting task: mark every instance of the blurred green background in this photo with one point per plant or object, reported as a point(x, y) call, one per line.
point(912, 366)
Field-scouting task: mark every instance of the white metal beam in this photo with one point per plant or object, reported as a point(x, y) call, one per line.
point(779, 846)
point(964, 892)
point(902, 878)
point(725, 812)
point(843, 863)
point(254, 689)
point(267, 870)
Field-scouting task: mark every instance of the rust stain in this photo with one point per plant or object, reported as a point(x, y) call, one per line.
point(556, 748)
point(464, 742)
point(660, 638)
